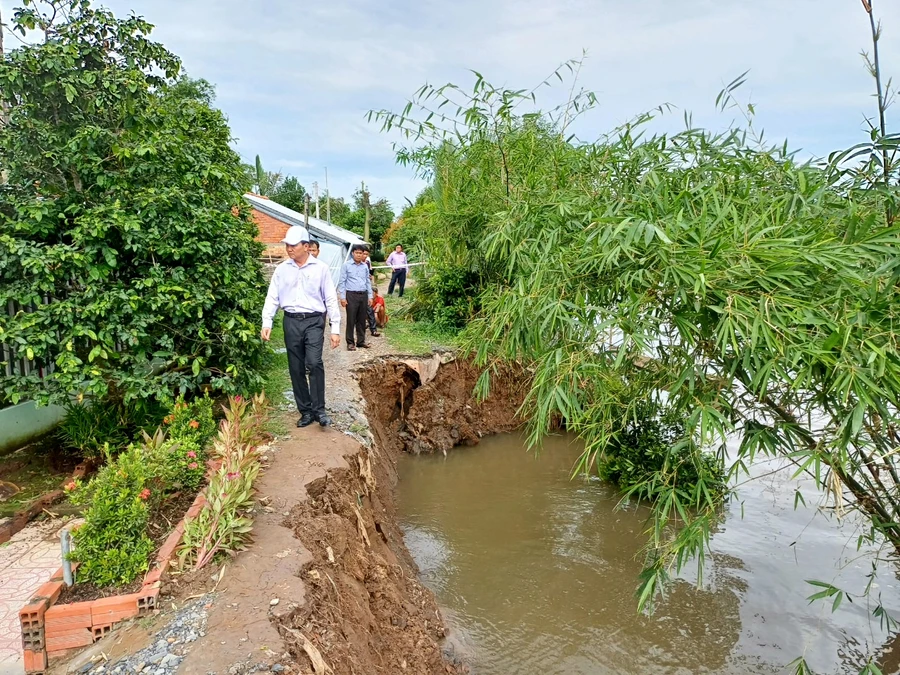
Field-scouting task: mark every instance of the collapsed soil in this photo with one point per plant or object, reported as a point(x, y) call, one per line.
point(365, 610)
point(408, 416)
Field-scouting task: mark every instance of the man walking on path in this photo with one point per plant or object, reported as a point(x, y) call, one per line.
point(303, 287)
point(355, 291)
point(399, 265)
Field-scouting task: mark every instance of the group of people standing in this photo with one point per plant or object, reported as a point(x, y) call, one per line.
point(302, 286)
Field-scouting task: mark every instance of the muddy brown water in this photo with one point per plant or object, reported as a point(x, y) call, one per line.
point(536, 573)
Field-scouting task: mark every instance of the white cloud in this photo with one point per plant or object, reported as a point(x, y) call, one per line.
point(297, 79)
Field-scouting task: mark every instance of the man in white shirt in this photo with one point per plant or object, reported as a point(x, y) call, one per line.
point(303, 287)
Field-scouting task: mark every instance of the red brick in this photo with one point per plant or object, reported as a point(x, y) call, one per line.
point(58, 574)
point(70, 639)
point(146, 603)
point(49, 590)
point(153, 575)
point(271, 230)
point(33, 612)
point(100, 631)
point(196, 508)
point(34, 661)
point(167, 550)
point(66, 617)
point(114, 609)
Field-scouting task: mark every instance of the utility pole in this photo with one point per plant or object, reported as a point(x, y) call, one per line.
point(365, 197)
point(306, 212)
point(327, 199)
point(316, 192)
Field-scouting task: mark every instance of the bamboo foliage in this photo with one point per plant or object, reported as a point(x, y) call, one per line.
point(754, 294)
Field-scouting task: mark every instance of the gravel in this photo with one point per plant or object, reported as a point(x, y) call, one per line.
point(167, 651)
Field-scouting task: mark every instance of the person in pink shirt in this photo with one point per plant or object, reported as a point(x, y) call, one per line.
point(399, 264)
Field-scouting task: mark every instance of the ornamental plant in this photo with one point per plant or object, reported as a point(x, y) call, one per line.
point(112, 545)
point(223, 526)
point(126, 250)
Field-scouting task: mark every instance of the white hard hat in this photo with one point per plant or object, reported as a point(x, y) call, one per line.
point(295, 235)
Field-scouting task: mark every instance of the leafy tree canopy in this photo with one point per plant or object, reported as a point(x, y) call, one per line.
point(291, 194)
point(122, 227)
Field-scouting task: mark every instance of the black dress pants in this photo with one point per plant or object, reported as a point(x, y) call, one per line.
point(304, 338)
point(357, 302)
point(397, 277)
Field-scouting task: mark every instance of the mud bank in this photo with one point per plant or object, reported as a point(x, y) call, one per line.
point(427, 405)
point(365, 610)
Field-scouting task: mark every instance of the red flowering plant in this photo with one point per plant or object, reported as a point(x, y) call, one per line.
point(224, 524)
point(113, 545)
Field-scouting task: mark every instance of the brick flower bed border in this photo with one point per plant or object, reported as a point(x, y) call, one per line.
point(50, 631)
point(21, 518)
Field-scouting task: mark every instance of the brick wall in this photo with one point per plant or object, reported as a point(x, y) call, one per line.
point(271, 230)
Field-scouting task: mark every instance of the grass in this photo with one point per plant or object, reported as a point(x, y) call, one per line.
point(406, 336)
point(278, 379)
point(32, 470)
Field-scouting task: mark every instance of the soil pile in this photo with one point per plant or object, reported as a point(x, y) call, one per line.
point(424, 405)
point(365, 610)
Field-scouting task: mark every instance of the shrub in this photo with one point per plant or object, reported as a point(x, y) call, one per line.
point(192, 421)
point(88, 427)
point(112, 545)
point(124, 237)
point(647, 445)
point(447, 296)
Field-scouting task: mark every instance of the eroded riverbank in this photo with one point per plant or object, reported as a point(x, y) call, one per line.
point(365, 609)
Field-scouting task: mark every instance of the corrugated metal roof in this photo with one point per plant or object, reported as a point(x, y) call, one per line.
point(320, 229)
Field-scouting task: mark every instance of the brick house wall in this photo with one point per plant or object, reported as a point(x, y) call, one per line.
point(271, 232)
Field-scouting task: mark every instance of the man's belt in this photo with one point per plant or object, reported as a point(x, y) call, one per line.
point(303, 315)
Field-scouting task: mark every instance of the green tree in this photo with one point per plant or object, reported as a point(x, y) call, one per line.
point(122, 224)
point(264, 183)
point(353, 217)
point(340, 211)
point(748, 295)
point(291, 194)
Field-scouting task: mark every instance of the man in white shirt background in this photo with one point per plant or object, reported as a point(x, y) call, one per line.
point(303, 288)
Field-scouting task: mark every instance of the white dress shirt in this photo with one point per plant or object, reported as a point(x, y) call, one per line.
point(302, 289)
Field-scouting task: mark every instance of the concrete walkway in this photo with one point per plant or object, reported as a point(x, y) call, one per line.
point(26, 562)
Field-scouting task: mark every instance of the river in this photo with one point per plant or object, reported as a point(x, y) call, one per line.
point(536, 573)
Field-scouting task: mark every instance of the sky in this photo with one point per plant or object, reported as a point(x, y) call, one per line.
point(296, 79)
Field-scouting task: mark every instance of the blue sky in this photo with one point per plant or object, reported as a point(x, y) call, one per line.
point(296, 79)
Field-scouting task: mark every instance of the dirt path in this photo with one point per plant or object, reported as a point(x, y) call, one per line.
point(327, 579)
point(245, 629)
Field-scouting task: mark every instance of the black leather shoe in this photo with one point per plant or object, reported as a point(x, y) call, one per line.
point(324, 421)
point(305, 420)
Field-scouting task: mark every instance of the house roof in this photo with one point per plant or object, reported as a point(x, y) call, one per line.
point(320, 229)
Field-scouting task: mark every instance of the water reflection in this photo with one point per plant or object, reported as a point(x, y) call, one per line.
point(537, 573)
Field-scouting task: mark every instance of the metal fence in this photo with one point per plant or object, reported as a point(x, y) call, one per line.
point(18, 365)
